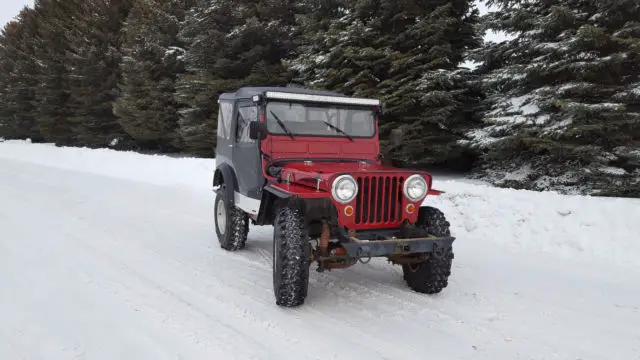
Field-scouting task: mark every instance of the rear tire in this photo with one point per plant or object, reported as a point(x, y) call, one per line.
point(291, 257)
point(432, 275)
point(232, 224)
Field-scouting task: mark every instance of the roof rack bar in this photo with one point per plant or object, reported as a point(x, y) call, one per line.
point(321, 98)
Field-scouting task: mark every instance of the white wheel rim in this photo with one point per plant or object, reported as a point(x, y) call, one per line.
point(221, 217)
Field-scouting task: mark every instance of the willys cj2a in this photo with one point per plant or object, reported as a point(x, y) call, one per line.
point(309, 163)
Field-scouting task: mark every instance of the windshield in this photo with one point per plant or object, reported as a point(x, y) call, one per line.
point(320, 120)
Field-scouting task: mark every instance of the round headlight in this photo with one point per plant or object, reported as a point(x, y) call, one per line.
point(415, 188)
point(344, 189)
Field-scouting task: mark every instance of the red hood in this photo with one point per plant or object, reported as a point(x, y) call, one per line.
point(308, 173)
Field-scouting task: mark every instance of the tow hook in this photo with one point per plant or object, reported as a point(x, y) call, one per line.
point(362, 255)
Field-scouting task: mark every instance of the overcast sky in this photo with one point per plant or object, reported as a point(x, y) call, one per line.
point(11, 8)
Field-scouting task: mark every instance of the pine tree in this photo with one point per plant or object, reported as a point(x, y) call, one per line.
point(54, 90)
point(61, 71)
point(230, 44)
point(408, 53)
point(312, 23)
point(564, 96)
point(95, 71)
point(18, 69)
point(152, 61)
point(8, 39)
point(429, 93)
point(205, 22)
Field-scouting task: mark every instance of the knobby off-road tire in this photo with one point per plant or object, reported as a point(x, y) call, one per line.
point(291, 260)
point(232, 224)
point(432, 275)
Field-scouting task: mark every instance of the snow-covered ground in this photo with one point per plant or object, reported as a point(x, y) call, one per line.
point(107, 255)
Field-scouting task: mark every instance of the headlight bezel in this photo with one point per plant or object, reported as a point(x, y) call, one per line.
point(334, 187)
point(411, 179)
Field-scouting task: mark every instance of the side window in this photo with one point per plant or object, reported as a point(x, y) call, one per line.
point(224, 119)
point(246, 114)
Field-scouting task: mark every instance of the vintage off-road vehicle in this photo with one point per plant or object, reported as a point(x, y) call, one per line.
point(309, 163)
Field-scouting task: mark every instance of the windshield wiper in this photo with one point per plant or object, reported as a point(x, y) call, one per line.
point(282, 125)
point(338, 129)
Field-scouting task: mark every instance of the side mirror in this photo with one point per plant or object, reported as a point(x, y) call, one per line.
point(395, 138)
point(257, 130)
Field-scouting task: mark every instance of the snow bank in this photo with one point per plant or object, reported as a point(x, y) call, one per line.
point(580, 227)
point(154, 169)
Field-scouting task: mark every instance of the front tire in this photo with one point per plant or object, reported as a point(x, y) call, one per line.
point(232, 224)
point(432, 275)
point(291, 257)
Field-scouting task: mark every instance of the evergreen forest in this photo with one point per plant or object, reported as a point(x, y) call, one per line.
point(556, 106)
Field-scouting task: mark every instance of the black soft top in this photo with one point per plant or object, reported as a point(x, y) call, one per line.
point(249, 92)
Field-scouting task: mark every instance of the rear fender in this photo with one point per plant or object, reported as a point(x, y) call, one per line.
point(225, 174)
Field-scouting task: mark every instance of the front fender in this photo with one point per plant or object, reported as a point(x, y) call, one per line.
point(285, 191)
point(225, 174)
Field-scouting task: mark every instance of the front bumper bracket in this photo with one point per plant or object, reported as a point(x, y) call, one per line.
point(359, 248)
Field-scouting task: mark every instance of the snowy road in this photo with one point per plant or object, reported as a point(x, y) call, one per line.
point(94, 267)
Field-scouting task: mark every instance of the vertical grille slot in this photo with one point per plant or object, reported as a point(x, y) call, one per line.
point(372, 199)
point(379, 199)
point(386, 200)
point(358, 213)
point(394, 199)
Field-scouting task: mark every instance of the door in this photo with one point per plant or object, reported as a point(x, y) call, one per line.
point(225, 138)
point(246, 159)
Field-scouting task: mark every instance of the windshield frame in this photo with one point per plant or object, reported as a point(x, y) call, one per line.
point(336, 134)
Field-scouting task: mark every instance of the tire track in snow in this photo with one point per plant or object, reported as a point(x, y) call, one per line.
point(267, 304)
point(345, 295)
point(152, 248)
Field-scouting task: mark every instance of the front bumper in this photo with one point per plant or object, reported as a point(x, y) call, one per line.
point(388, 243)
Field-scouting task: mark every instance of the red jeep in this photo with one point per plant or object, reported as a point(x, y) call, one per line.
point(309, 163)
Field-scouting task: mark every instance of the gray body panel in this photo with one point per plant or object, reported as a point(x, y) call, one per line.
point(241, 154)
point(246, 152)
